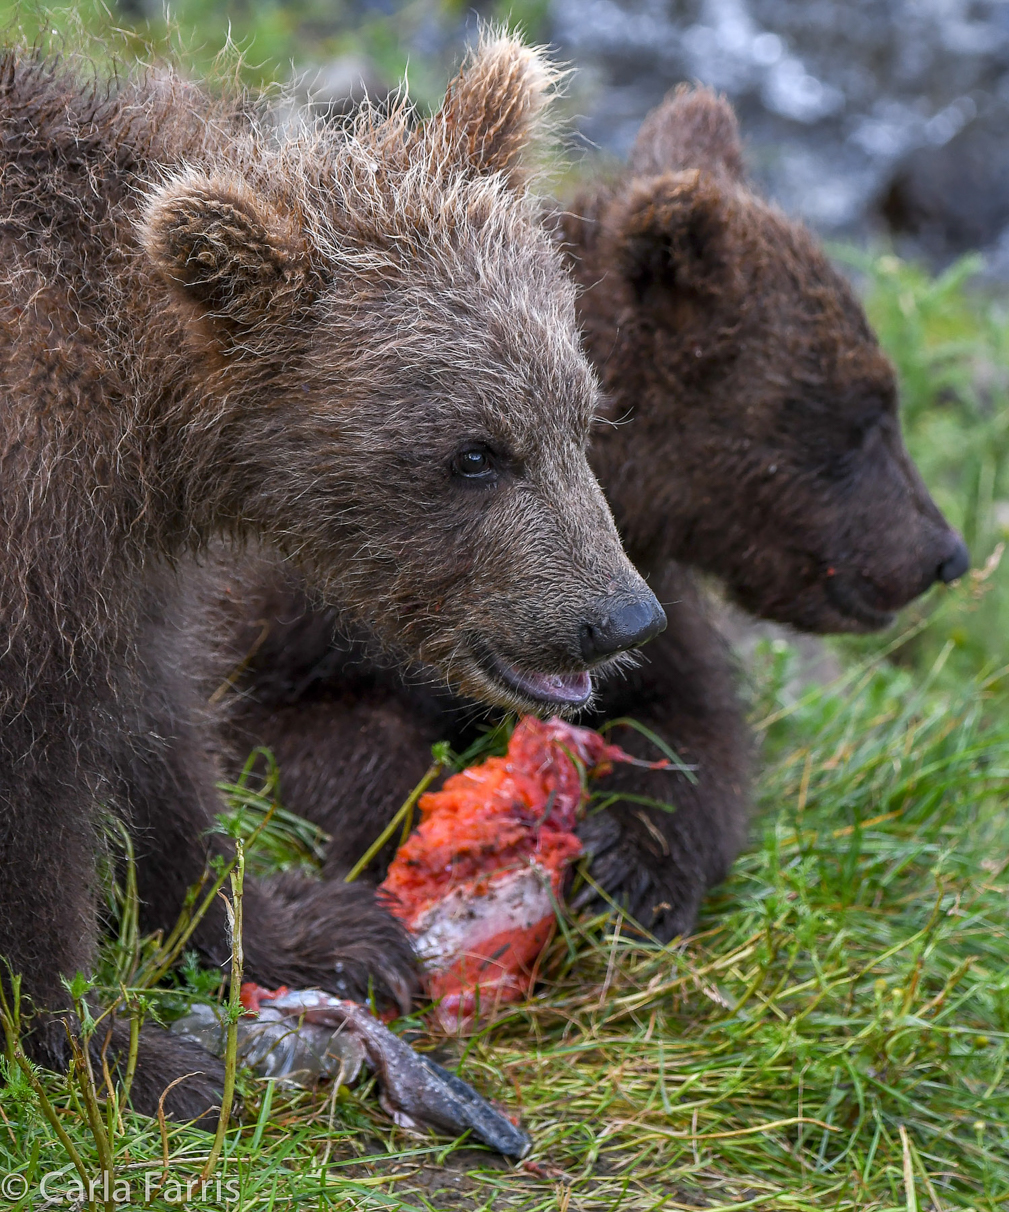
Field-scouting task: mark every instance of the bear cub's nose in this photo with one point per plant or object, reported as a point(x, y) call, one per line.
point(956, 564)
point(628, 625)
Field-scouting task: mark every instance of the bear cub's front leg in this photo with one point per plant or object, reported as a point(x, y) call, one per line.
point(298, 931)
point(658, 863)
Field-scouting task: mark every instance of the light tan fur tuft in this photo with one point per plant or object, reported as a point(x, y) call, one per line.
point(492, 113)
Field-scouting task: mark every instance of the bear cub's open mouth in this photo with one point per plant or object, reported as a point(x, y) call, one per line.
point(555, 689)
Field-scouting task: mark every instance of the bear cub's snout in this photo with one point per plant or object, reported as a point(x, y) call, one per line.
point(956, 563)
point(619, 628)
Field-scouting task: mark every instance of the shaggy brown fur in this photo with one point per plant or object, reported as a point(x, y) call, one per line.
point(755, 436)
point(208, 330)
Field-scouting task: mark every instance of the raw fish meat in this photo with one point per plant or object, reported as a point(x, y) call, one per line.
point(478, 881)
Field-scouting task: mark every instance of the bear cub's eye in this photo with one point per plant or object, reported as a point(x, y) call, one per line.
point(474, 463)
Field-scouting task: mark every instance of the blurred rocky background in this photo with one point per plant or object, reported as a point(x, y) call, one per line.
point(866, 117)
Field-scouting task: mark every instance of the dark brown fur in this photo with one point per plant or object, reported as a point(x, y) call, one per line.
point(762, 441)
point(755, 436)
point(210, 332)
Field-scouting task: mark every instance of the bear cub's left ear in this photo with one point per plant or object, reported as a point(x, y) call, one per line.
point(228, 250)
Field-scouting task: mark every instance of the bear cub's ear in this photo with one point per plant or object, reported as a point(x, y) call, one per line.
point(694, 127)
point(671, 232)
point(492, 115)
point(227, 249)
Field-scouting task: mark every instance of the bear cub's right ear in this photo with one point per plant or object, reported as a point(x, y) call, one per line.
point(672, 232)
point(492, 115)
point(228, 250)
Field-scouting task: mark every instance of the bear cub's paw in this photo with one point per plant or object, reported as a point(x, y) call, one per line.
point(660, 895)
point(164, 1059)
point(325, 934)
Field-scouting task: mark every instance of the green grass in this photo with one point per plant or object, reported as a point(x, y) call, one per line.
point(270, 40)
point(835, 1035)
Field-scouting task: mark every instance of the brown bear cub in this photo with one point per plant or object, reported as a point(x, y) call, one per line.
point(753, 434)
point(357, 347)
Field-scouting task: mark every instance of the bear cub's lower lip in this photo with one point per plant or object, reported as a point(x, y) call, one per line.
point(563, 689)
point(848, 599)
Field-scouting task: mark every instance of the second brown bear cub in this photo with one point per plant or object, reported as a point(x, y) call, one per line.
point(754, 436)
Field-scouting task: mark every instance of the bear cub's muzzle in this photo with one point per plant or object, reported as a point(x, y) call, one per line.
point(956, 563)
point(620, 628)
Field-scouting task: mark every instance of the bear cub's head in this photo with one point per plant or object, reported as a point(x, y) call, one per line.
point(393, 337)
point(758, 434)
